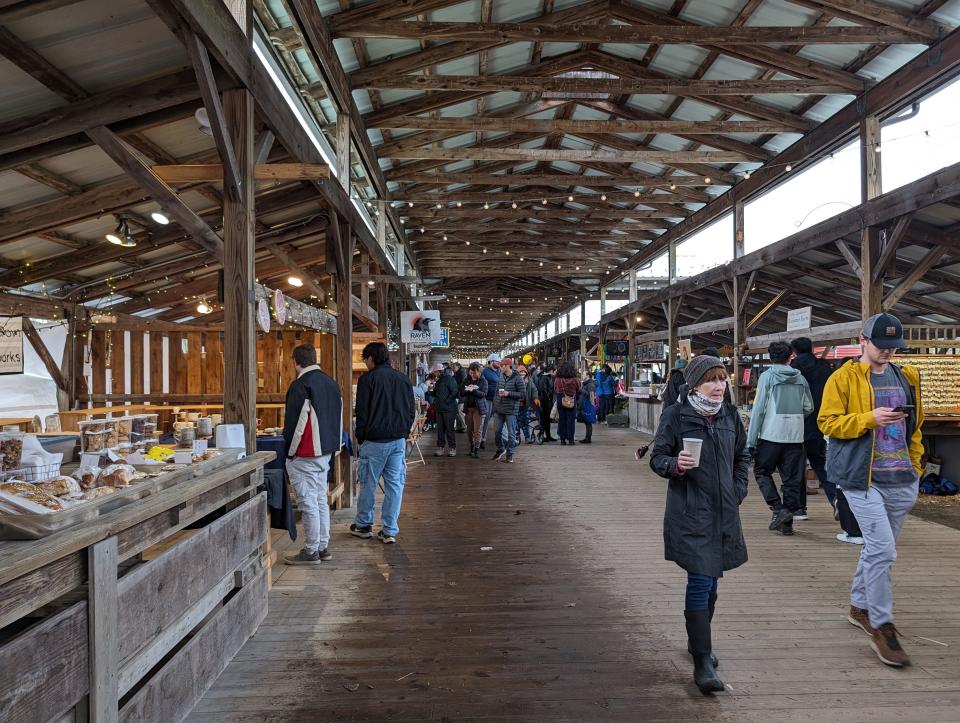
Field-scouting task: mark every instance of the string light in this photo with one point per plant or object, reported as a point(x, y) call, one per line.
point(788, 168)
point(636, 194)
point(603, 197)
point(570, 198)
point(673, 186)
point(438, 205)
point(706, 179)
point(513, 205)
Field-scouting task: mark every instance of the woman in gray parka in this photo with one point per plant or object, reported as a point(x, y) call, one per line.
point(701, 524)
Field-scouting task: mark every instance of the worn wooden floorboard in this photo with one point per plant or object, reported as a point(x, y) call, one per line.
point(574, 615)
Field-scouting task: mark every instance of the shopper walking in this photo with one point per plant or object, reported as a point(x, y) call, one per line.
point(493, 375)
point(672, 391)
point(528, 405)
point(546, 394)
point(506, 404)
point(445, 399)
point(312, 420)
point(475, 405)
point(701, 525)
point(566, 387)
point(587, 406)
point(873, 415)
point(776, 434)
point(606, 391)
point(384, 417)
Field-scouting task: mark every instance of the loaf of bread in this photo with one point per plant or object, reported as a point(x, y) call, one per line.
point(61, 486)
point(96, 492)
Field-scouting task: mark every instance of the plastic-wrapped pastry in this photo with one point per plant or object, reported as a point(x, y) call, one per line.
point(117, 475)
point(32, 493)
point(87, 476)
point(61, 486)
point(96, 492)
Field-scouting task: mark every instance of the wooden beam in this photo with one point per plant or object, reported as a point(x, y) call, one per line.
point(547, 179)
point(565, 154)
point(907, 282)
point(894, 235)
point(104, 108)
point(767, 309)
point(34, 64)
point(871, 284)
point(550, 125)
point(633, 34)
point(850, 257)
point(239, 342)
point(209, 172)
point(53, 369)
point(138, 168)
point(49, 179)
point(211, 101)
point(434, 218)
point(612, 86)
point(886, 15)
point(343, 150)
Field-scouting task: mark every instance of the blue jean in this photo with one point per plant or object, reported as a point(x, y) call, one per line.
point(506, 439)
point(566, 420)
point(390, 460)
point(699, 589)
point(523, 423)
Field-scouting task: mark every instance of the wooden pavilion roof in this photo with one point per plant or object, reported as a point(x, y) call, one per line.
point(578, 133)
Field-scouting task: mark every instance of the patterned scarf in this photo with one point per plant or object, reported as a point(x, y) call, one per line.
point(704, 405)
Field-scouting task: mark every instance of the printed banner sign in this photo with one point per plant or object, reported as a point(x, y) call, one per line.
point(420, 326)
point(419, 347)
point(444, 341)
point(11, 345)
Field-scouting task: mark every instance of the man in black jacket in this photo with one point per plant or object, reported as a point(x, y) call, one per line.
point(460, 377)
point(312, 422)
point(445, 393)
point(385, 413)
point(816, 371)
point(545, 392)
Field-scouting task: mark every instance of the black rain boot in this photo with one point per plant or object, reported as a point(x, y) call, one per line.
point(711, 606)
point(698, 637)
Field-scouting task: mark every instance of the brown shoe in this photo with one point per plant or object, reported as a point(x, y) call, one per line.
point(887, 647)
point(860, 618)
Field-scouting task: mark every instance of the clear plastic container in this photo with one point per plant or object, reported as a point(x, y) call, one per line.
point(11, 450)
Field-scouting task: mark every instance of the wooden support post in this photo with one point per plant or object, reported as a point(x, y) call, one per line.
point(603, 300)
point(583, 333)
point(738, 229)
point(343, 150)
point(104, 637)
point(631, 348)
point(342, 239)
point(871, 288)
point(239, 339)
point(672, 312)
point(632, 292)
point(672, 262)
point(365, 271)
point(739, 332)
point(382, 224)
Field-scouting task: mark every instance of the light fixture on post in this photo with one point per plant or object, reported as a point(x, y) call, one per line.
point(295, 281)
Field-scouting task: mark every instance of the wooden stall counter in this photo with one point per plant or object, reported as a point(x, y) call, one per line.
point(24, 424)
point(94, 614)
point(644, 408)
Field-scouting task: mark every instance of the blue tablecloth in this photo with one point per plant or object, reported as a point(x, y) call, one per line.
point(273, 444)
point(275, 480)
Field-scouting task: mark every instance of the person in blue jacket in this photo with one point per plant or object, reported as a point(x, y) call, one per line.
point(606, 391)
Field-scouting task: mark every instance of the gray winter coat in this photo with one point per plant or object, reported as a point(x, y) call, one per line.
point(701, 524)
point(516, 390)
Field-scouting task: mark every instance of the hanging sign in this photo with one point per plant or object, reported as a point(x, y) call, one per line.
point(444, 341)
point(798, 319)
point(11, 345)
point(420, 326)
point(419, 347)
point(263, 315)
point(683, 346)
point(279, 307)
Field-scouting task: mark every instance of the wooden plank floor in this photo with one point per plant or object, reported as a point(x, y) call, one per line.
point(574, 615)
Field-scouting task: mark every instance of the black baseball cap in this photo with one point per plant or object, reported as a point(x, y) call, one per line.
point(884, 331)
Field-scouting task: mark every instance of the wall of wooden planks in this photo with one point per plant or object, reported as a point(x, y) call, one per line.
point(187, 367)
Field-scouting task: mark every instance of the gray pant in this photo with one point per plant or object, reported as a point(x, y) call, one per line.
point(880, 511)
point(308, 475)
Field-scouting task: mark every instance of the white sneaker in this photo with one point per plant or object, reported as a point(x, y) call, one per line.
point(439, 452)
point(452, 453)
point(844, 537)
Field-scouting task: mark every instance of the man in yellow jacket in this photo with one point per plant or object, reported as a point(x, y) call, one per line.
point(872, 415)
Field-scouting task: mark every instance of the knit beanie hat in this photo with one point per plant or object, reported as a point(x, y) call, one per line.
point(698, 367)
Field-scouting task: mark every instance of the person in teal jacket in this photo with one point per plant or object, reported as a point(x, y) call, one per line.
point(776, 435)
point(606, 391)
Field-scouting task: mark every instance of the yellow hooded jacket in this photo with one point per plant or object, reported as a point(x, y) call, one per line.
point(846, 417)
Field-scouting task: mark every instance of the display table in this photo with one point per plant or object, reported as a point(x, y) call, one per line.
point(85, 619)
point(644, 412)
point(24, 424)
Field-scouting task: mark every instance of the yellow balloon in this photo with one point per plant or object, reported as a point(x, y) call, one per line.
point(527, 358)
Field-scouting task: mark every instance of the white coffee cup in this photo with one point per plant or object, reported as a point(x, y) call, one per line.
point(693, 447)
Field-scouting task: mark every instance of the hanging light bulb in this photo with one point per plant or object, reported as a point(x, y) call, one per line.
point(444, 237)
point(570, 198)
point(486, 206)
point(603, 197)
point(295, 281)
point(423, 230)
point(439, 205)
point(788, 168)
point(706, 179)
point(513, 205)
point(459, 204)
point(673, 186)
point(410, 203)
point(746, 176)
point(467, 242)
point(484, 251)
point(203, 307)
point(507, 253)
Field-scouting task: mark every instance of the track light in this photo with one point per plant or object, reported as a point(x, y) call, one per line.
point(295, 281)
point(203, 307)
point(121, 235)
point(160, 218)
